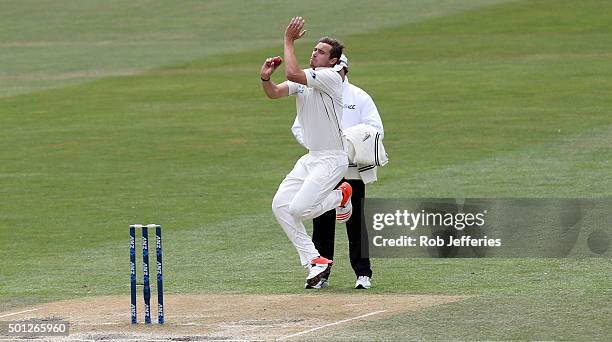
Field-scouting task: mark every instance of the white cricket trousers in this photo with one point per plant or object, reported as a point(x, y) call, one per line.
point(307, 192)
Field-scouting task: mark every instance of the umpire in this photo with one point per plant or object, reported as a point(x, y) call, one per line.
point(358, 108)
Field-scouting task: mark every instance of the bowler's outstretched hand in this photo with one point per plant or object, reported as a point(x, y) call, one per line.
point(294, 29)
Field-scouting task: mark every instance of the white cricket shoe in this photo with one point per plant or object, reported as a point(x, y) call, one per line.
point(363, 282)
point(316, 271)
point(324, 282)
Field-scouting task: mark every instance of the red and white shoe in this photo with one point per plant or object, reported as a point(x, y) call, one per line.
point(324, 282)
point(345, 210)
point(316, 270)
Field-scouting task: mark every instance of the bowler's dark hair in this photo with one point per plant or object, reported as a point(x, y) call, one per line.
point(337, 47)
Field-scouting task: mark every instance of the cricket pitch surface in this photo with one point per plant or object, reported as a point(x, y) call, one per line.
point(287, 317)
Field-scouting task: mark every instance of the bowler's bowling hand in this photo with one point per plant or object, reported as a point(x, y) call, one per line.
point(267, 68)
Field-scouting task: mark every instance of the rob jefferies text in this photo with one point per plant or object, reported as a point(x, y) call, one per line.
point(412, 221)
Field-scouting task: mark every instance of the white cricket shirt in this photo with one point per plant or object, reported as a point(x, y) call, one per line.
point(319, 108)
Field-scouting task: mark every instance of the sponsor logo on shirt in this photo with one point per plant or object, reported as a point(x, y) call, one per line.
point(367, 136)
point(313, 74)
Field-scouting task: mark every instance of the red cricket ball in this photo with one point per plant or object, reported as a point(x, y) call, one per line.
point(277, 61)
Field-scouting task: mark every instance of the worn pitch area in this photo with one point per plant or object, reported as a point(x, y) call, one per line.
point(223, 316)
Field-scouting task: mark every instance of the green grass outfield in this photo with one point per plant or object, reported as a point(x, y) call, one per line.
point(114, 113)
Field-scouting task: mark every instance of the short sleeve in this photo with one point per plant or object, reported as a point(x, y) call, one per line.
point(294, 88)
point(326, 80)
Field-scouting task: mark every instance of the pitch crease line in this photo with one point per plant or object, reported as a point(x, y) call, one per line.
point(17, 313)
point(330, 324)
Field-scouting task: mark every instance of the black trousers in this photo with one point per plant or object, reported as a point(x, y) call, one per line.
point(324, 231)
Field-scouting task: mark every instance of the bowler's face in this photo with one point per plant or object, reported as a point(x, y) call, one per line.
point(320, 56)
